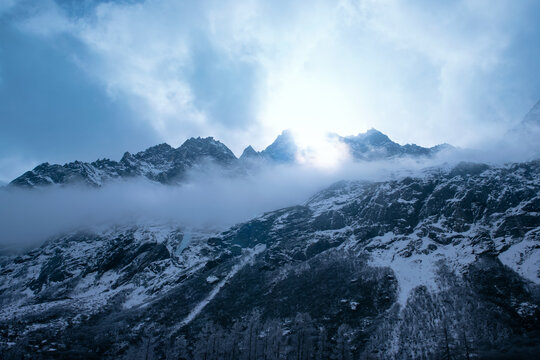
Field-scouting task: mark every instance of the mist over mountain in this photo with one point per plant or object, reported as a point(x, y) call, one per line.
point(275, 203)
point(180, 252)
point(447, 254)
point(170, 250)
point(167, 165)
point(533, 116)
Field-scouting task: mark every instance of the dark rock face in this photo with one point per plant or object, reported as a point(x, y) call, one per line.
point(440, 264)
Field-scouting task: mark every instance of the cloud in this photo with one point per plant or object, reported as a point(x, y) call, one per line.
point(420, 71)
point(159, 56)
point(47, 19)
point(243, 71)
point(6, 5)
point(213, 200)
point(208, 201)
point(53, 111)
point(11, 167)
point(411, 72)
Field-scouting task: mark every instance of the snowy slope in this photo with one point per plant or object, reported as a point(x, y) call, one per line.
point(372, 269)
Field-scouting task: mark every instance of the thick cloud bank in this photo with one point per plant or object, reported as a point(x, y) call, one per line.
point(211, 201)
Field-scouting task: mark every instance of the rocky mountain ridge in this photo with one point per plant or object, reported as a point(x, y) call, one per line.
point(161, 163)
point(167, 165)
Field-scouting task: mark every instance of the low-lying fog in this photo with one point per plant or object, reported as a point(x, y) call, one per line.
point(206, 200)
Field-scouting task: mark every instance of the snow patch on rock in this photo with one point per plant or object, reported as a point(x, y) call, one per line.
point(524, 258)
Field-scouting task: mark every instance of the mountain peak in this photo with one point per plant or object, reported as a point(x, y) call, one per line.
point(159, 148)
point(370, 137)
point(195, 148)
point(126, 157)
point(283, 149)
point(199, 140)
point(202, 143)
point(374, 145)
point(373, 136)
point(249, 153)
point(157, 153)
point(373, 131)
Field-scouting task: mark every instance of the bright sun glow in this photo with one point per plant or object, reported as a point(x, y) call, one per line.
point(318, 149)
point(314, 102)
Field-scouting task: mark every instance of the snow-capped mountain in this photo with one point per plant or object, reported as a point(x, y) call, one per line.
point(443, 263)
point(282, 150)
point(374, 145)
point(161, 163)
point(167, 165)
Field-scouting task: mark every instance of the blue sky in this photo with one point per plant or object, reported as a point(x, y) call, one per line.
point(91, 79)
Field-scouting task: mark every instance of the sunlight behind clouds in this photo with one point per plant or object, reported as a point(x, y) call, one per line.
point(320, 149)
point(421, 72)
